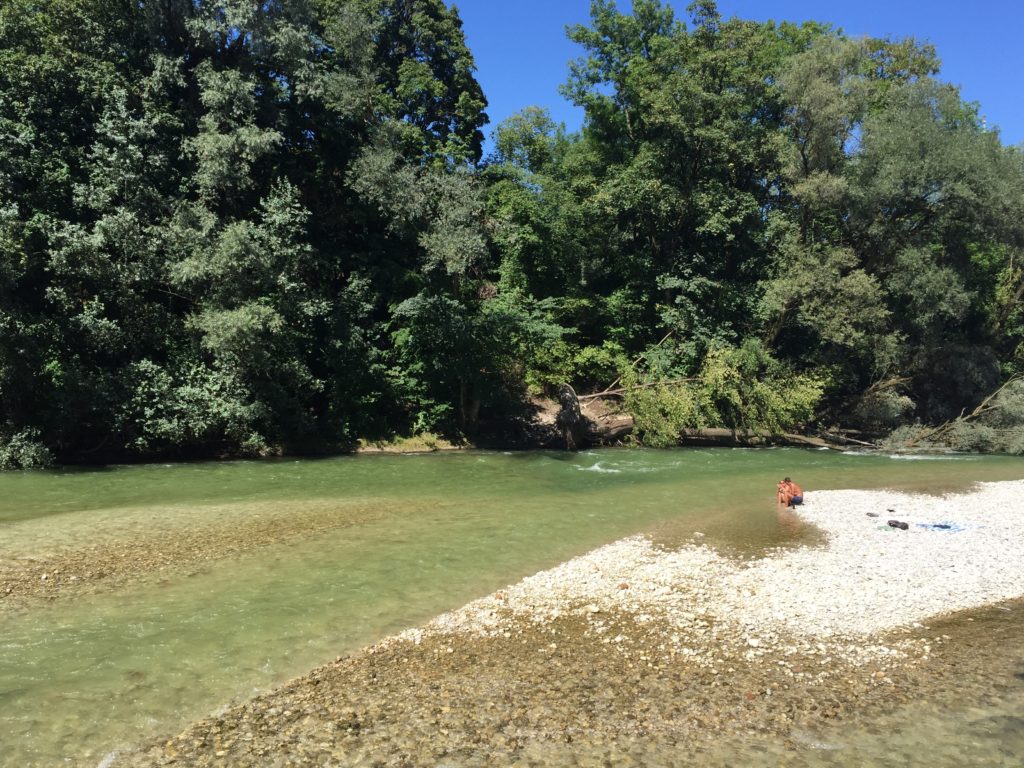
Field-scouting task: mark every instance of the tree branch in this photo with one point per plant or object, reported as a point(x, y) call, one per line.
point(609, 389)
point(983, 407)
point(622, 390)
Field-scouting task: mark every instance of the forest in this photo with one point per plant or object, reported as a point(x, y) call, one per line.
point(238, 228)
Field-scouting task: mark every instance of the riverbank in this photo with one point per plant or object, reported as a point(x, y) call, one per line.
point(633, 654)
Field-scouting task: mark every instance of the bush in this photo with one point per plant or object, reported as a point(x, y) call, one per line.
point(737, 387)
point(23, 450)
point(882, 410)
point(1014, 441)
point(898, 439)
point(1006, 420)
point(1008, 411)
point(189, 407)
point(972, 438)
point(662, 412)
point(747, 388)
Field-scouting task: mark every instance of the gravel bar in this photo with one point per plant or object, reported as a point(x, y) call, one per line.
point(631, 653)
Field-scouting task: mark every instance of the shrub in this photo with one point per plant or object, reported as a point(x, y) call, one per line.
point(881, 410)
point(998, 429)
point(1009, 407)
point(662, 412)
point(737, 387)
point(969, 437)
point(23, 450)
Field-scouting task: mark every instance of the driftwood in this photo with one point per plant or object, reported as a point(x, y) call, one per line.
point(622, 390)
point(750, 437)
point(612, 428)
point(846, 440)
point(883, 384)
point(577, 427)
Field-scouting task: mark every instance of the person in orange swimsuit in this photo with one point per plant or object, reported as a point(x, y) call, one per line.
point(790, 493)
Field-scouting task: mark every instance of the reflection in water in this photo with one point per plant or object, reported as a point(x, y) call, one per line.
point(788, 520)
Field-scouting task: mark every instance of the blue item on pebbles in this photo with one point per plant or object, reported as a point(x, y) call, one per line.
point(947, 526)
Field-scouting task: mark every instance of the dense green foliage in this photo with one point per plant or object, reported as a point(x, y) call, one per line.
point(740, 388)
point(223, 223)
point(232, 228)
point(739, 186)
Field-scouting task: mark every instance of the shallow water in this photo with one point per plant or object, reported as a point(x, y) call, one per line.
point(421, 534)
point(973, 714)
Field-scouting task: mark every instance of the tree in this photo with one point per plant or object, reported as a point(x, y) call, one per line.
point(188, 261)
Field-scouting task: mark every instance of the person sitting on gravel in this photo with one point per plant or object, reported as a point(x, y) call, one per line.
point(790, 493)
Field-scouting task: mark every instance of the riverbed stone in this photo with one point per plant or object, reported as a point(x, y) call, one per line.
point(567, 667)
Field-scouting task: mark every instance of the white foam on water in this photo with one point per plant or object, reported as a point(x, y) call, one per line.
point(931, 457)
point(598, 468)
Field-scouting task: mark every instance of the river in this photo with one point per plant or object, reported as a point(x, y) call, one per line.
point(410, 536)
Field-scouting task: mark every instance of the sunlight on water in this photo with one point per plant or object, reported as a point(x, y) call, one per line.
point(409, 537)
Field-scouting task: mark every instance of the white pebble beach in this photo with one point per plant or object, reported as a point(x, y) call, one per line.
point(866, 579)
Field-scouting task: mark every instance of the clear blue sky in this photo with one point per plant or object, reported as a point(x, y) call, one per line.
point(522, 52)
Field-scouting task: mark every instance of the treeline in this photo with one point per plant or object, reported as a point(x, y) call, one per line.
point(231, 228)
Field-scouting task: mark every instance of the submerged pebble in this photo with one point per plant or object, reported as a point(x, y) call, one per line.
point(700, 650)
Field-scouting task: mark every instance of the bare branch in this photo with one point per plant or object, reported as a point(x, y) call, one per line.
point(983, 407)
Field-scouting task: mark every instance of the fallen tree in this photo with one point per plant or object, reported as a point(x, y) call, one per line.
point(598, 419)
point(995, 425)
point(989, 404)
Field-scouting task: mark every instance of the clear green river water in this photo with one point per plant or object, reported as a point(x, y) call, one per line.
point(423, 534)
